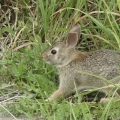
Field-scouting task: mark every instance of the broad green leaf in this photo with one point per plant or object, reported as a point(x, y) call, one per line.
point(9, 30)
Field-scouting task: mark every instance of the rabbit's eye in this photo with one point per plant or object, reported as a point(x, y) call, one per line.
point(53, 52)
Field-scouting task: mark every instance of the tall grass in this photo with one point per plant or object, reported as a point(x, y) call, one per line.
point(27, 28)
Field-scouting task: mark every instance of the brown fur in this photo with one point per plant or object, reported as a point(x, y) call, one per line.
point(80, 57)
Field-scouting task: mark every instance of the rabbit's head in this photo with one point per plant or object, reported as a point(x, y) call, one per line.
point(62, 53)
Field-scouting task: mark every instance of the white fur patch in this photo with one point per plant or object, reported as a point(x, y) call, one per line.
point(56, 48)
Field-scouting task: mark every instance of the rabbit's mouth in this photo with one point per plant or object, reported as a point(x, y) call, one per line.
point(48, 62)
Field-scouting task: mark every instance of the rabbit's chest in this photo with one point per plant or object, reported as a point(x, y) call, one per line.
point(66, 72)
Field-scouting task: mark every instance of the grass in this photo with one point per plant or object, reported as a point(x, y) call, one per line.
point(27, 28)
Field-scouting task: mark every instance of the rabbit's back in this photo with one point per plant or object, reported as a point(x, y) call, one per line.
point(105, 63)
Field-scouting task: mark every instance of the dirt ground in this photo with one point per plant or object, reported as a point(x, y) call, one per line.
point(22, 117)
point(8, 117)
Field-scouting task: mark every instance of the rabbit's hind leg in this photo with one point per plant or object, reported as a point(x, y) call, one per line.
point(113, 94)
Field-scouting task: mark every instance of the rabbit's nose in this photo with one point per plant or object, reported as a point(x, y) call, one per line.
point(44, 56)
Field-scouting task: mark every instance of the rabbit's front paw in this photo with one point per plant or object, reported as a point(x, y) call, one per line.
point(48, 99)
point(57, 94)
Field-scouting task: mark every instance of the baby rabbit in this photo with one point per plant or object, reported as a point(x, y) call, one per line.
point(80, 69)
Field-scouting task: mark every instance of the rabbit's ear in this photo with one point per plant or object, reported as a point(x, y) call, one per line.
point(76, 29)
point(72, 40)
point(73, 36)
